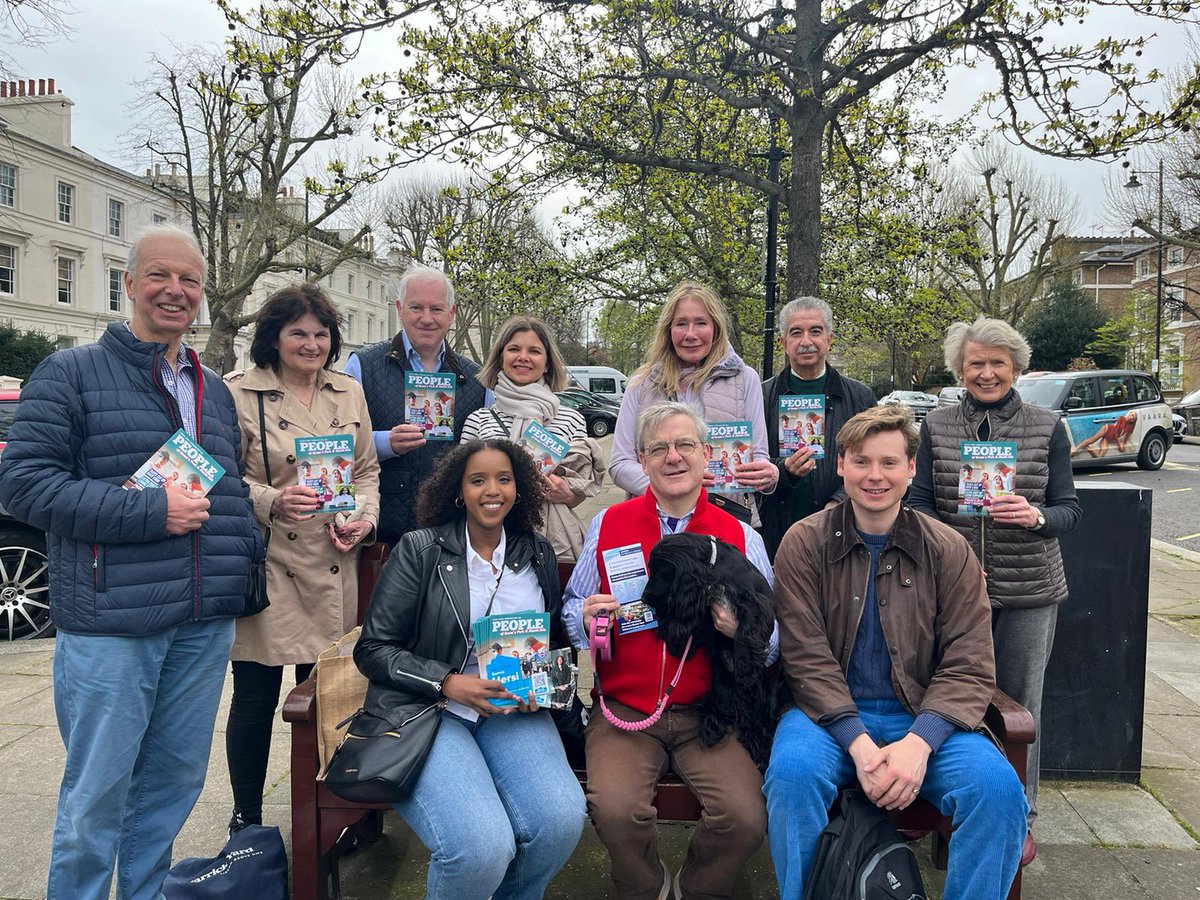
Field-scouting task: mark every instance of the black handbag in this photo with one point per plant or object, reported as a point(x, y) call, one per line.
point(378, 761)
point(256, 583)
point(731, 506)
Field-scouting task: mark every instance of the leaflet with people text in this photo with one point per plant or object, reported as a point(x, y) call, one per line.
point(180, 461)
point(326, 464)
point(729, 444)
point(429, 403)
point(987, 469)
point(514, 649)
point(802, 424)
point(547, 449)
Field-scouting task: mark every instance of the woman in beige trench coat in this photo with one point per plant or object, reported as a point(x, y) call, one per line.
point(312, 557)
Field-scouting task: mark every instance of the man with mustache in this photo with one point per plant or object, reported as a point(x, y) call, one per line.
point(806, 485)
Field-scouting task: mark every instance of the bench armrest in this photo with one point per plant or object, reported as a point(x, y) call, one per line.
point(301, 702)
point(1008, 720)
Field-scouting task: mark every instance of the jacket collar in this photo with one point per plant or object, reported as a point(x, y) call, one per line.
point(451, 537)
point(267, 379)
point(906, 533)
point(1002, 412)
point(118, 339)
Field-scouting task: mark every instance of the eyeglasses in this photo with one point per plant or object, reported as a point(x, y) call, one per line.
point(683, 446)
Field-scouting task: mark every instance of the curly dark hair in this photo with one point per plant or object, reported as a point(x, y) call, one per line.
point(435, 499)
point(283, 308)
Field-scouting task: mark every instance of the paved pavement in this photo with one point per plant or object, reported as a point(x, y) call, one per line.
point(1097, 840)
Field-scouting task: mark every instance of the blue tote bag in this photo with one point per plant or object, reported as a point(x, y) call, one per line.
point(252, 864)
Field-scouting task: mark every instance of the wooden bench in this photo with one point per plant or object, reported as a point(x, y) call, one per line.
point(324, 826)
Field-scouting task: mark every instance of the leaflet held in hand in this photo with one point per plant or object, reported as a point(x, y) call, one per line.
point(987, 469)
point(326, 464)
point(802, 424)
point(514, 649)
point(546, 448)
point(626, 570)
point(729, 444)
point(429, 403)
point(180, 461)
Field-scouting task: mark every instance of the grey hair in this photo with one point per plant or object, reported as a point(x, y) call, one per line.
point(652, 417)
point(164, 230)
point(803, 304)
point(988, 333)
point(421, 272)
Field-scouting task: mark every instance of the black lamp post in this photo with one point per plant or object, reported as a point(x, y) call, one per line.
point(1134, 184)
point(774, 157)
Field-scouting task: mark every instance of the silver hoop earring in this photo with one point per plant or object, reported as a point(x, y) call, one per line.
point(518, 500)
point(458, 501)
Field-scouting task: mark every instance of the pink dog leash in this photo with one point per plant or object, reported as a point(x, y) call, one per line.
point(600, 640)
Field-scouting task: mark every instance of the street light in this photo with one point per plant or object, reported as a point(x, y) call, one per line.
point(1134, 184)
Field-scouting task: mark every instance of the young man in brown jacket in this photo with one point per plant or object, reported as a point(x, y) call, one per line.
point(885, 636)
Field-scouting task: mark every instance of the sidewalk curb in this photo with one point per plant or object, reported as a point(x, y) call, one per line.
point(1172, 550)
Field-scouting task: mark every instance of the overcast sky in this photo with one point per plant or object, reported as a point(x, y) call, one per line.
point(109, 50)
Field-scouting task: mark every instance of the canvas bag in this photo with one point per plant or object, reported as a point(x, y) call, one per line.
point(253, 864)
point(341, 691)
point(861, 856)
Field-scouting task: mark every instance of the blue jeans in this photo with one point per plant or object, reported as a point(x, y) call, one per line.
point(968, 779)
point(498, 807)
point(136, 715)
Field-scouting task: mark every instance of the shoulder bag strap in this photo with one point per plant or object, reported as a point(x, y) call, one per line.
point(262, 439)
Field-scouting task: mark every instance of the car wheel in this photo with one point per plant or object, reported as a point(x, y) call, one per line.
point(24, 586)
point(599, 427)
point(1153, 453)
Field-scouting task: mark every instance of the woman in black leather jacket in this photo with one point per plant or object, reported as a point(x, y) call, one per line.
point(496, 802)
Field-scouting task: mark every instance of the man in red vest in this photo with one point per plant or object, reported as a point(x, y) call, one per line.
point(624, 766)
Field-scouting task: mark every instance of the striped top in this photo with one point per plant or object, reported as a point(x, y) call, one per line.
point(567, 424)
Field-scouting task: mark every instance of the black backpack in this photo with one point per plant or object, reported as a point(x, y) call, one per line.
point(861, 856)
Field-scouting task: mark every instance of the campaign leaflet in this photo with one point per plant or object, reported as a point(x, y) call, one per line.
point(429, 402)
point(729, 444)
point(986, 471)
point(326, 464)
point(514, 649)
point(626, 570)
point(802, 424)
point(179, 461)
point(547, 449)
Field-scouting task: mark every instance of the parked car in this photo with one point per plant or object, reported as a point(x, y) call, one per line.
point(1113, 415)
point(950, 396)
point(919, 402)
point(1189, 409)
point(24, 566)
point(595, 399)
point(601, 420)
point(1179, 424)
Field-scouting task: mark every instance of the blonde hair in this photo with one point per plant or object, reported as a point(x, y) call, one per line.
point(556, 369)
point(662, 368)
point(873, 420)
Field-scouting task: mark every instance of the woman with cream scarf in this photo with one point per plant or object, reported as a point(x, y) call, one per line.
point(523, 371)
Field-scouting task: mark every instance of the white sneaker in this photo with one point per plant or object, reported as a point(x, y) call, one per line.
point(678, 892)
point(665, 893)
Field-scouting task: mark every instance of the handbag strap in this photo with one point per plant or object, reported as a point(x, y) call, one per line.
point(262, 439)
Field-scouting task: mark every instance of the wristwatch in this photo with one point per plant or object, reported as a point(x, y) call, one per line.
point(1041, 522)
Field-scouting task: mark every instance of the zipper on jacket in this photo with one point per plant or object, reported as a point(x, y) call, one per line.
point(466, 641)
point(861, 610)
point(95, 568)
point(437, 685)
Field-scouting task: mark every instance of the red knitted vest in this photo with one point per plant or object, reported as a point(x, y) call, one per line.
point(634, 675)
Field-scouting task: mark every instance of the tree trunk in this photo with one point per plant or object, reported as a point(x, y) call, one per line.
point(804, 202)
point(219, 353)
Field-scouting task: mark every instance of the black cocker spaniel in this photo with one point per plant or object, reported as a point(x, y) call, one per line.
point(687, 573)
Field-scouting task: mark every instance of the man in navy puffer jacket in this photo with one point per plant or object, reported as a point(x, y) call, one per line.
point(144, 585)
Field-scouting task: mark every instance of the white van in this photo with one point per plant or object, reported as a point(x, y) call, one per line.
point(603, 380)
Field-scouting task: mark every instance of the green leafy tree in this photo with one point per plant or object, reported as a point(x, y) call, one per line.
point(1061, 326)
point(586, 85)
point(23, 350)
